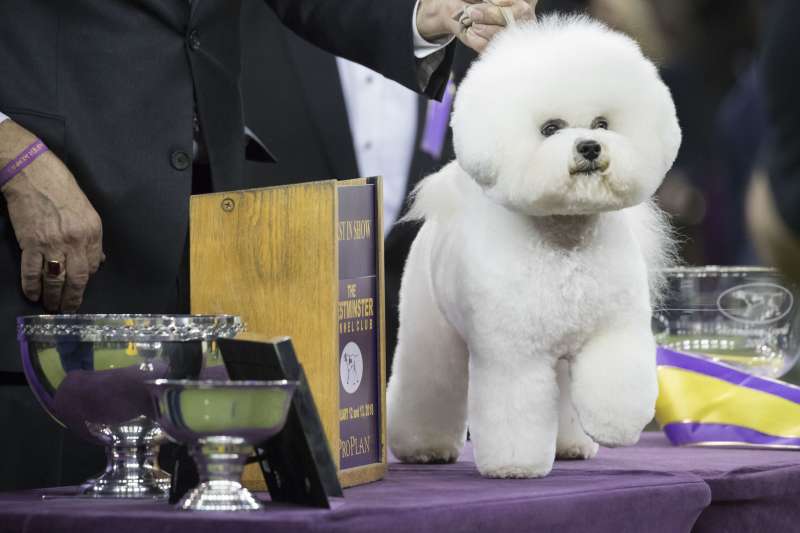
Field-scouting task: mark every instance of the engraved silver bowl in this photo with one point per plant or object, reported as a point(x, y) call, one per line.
point(743, 316)
point(89, 373)
point(221, 420)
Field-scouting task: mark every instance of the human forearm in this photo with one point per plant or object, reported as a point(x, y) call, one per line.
point(374, 33)
point(381, 35)
point(13, 141)
point(53, 221)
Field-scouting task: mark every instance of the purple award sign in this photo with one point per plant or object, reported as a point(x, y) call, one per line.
point(358, 313)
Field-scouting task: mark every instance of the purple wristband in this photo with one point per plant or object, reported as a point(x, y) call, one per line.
point(24, 159)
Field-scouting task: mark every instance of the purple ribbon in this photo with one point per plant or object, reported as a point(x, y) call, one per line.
point(24, 159)
point(705, 433)
point(721, 371)
point(436, 121)
point(682, 433)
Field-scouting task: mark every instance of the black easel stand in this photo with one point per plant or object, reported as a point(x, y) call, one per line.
point(297, 462)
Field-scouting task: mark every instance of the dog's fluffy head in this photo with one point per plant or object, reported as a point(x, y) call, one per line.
point(565, 117)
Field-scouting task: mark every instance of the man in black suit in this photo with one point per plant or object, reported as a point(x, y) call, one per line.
point(127, 96)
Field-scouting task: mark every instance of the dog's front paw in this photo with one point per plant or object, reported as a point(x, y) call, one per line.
point(530, 461)
point(614, 416)
point(427, 455)
point(583, 449)
point(612, 431)
point(515, 471)
point(412, 445)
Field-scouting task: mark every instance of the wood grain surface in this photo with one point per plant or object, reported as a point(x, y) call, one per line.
point(271, 257)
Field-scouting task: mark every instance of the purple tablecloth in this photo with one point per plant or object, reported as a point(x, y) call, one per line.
point(650, 487)
point(752, 490)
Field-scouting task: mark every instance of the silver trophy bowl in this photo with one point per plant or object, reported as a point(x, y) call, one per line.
point(221, 421)
point(89, 374)
point(746, 317)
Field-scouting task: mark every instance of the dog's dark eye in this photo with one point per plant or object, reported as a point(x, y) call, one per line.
point(600, 123)
point(552, 126)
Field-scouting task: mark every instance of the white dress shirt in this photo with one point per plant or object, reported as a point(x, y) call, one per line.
point(383, 121)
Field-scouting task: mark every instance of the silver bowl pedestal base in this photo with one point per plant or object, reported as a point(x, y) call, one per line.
point(131, 471)
point(220, 461)
point(220, 495)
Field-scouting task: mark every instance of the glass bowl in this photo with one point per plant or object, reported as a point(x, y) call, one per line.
point(745, 317)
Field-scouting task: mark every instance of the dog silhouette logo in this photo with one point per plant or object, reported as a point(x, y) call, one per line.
point(351, 367)
point(756, 303)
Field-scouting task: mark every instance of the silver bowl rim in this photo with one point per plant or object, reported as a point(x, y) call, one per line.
point(716, 270)
point(203, 384)
point(118, 327)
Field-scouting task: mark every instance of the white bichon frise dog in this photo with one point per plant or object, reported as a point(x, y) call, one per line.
point(526, 299)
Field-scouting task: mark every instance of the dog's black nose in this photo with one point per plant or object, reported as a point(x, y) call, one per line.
point(589, 149)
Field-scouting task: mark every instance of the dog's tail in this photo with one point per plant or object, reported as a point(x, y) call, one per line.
point(440, 195)
point(657, 241)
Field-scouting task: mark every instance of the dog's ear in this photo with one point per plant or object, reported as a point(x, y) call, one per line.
point(475, 151)
point(671, 138)
point(482, 170)
point(664, 118)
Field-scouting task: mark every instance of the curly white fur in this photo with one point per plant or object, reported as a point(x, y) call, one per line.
point(525, 303)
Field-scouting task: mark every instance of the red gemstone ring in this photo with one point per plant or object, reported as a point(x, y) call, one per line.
point(53, 269)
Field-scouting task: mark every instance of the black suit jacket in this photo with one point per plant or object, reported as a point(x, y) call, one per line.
point(112, 87)
point(293, 101)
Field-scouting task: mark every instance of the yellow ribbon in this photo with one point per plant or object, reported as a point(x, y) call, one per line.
point(687, 396)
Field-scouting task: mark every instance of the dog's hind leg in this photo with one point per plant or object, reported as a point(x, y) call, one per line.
point(427, 394)
point(614, 385)
point(572, 441)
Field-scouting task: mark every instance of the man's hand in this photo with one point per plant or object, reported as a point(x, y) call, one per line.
point(437, 19)
point(53, 221)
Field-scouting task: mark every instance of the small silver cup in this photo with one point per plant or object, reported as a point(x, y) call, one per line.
point(220, 421)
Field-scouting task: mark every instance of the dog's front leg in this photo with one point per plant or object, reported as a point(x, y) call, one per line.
point(427, 394)
point(513, 413)
point(614, 385)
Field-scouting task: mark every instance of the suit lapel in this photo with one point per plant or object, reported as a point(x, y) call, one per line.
point(319, 78)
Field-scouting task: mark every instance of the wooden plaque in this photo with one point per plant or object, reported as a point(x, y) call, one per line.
point(306, 261)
